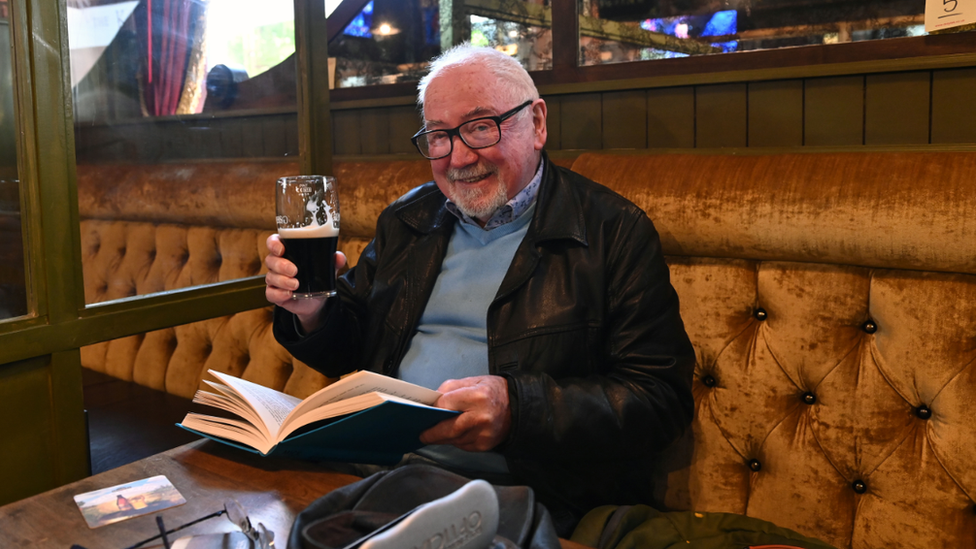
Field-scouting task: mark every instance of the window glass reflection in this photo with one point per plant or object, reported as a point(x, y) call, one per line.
point(13, 289)
point(615, 31)
point(138, 58)
point(185, 115)
point(391, 41)
point(519, 29)
point(388, 41)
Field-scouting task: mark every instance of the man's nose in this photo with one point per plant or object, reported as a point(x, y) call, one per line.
point(461, 154)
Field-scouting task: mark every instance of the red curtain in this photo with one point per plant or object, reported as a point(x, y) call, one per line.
point(167, 42)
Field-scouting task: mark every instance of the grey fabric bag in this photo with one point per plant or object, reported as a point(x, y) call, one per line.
point(344, 516)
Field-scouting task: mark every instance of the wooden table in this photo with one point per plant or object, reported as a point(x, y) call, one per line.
point(272, 491)
point(206, 474)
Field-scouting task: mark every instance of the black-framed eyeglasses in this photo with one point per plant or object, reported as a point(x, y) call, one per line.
point(479, 133)
point(255, 537)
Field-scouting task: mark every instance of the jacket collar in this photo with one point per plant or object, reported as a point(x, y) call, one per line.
point(558, 214)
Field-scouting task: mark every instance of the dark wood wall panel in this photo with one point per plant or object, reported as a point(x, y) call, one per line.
point(671, 118)
point(291, 137)
point(374, 131)
point(625, 120)
point(913, 108)
point(403, 122)
point(231, 137)
point(252, 142)
point(275, 140)
point(776, 113)
point(833, 111)
point(30, 460)
point(554, 122)
point(954, 106)
point(582, 121)
point(208, 140)
point(173, 139)
point(896, 108)
point(345, 132)
point(721, 118)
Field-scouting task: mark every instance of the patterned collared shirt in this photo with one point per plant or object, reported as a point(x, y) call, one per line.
point(511, 211)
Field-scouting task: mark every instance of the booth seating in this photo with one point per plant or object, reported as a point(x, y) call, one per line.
point(831, 299)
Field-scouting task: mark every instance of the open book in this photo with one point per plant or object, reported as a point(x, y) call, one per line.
point(364, 417)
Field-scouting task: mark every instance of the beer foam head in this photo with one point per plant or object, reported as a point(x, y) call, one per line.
point(310, 231)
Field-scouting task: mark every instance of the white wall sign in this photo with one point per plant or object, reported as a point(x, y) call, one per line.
point(945, 14)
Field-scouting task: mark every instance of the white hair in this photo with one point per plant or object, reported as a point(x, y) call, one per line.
point(514, 82)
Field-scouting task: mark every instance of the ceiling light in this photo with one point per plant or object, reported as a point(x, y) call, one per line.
point(385, 29)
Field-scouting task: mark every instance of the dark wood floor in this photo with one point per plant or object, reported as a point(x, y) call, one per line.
point(127, 422)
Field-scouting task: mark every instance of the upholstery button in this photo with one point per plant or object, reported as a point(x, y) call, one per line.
point(809, 398)
point(859, 486)
point(709, 381)
point(869, 326)
point(755, 465)
point(760, 314)
point(923, 412)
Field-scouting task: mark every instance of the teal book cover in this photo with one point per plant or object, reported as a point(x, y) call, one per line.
point(379, 435)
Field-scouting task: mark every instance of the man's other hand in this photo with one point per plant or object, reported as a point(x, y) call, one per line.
point(485, 417)
point(281, 282)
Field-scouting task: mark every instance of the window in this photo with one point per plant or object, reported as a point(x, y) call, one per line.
point(616, 31)
point(391, 41)
point(13, 290)
point(146, 58)
point(165, 93)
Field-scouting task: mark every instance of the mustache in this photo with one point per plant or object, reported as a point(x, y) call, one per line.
point(454, 174)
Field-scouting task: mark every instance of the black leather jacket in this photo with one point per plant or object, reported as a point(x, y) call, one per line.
point(585, 327)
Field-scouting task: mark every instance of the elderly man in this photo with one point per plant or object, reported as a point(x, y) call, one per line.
point(537, 301)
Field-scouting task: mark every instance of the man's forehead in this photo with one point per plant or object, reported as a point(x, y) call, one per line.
point(461, 92)
point(439, 115)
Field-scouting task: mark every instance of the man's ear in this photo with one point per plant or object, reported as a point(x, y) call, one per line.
point(539, 115)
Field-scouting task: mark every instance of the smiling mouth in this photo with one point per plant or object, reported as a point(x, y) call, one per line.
point(476, 179)
point(471, 180)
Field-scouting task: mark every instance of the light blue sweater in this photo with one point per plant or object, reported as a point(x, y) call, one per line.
point(452, 339)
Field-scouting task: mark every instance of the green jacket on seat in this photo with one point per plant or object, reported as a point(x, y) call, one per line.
point(643, 527)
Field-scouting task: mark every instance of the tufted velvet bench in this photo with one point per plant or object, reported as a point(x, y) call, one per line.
point(148, 229)
point(831, 299)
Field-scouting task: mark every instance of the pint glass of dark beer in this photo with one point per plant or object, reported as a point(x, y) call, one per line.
point(307, 208)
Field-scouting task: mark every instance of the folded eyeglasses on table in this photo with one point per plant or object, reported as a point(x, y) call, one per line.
point(250, 536)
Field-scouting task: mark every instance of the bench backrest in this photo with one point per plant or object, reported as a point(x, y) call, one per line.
point(831, 299)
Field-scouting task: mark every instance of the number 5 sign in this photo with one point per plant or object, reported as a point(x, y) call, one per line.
point(945, 14)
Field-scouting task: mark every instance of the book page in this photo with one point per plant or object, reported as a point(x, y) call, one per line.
point(230, 429)
point(341, 408)
point(272, 407)
point(363, 382)
point(227, 400)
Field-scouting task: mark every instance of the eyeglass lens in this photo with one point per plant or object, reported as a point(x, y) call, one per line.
point(253, 537)
point(237, 515)
point(476, 134)
point(259, 534)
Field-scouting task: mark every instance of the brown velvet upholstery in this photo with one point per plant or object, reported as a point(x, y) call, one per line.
point(863, 268)
point(148, 229)
point(830, 298)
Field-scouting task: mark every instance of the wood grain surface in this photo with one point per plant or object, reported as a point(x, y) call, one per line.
point(272, 491)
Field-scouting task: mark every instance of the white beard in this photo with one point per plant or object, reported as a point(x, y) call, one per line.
point(476, 202)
